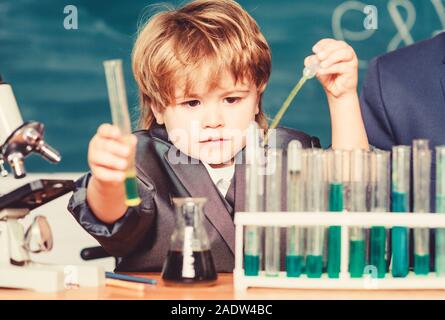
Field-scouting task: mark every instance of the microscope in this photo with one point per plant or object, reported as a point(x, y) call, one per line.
point(19, 139)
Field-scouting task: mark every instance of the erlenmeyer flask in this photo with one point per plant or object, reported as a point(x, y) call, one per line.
point(189, 260)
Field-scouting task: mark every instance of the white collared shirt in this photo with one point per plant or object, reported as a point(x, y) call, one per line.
point(221, 177)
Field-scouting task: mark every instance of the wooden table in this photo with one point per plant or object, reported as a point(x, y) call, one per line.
point(223, 290)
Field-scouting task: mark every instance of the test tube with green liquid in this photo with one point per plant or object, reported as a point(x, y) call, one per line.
point(254, 198)
point(440, 208)
point(315, 182)
point(273, 204)
point(119, 113)
point(400, 205)
point(422, 178)
point(358, 184)
point(380, 182)
point(336, 161)
point(294, 234)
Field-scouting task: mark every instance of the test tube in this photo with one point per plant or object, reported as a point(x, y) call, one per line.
point(336, 161)
point(294, 235)
point(254, 199)
point(421, 176)
point(379, 203)
point(440, 208)
point(357, 241)
point(119, 113)
point(315, 182)
point(400, 205)
point(273, 204)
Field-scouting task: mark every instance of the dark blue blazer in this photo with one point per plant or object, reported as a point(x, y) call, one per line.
point(403, 97)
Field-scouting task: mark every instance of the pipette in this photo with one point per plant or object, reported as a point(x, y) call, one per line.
point(358, 176)
point(336, 161)
point(273, 204)
point(308, 73)
point(379, 203)
point(422, 176)
point(440, 208)
point(295, 235)
point(315, 182)
point(400, 205)
point(119, 112)
point(254, 199)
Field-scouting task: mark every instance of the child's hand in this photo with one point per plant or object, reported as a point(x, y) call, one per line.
point(109, 154)
point(338, 63)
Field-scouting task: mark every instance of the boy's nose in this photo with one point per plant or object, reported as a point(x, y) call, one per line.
point(213, 117)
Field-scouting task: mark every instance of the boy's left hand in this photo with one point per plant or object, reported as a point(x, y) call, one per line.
point(338, 72)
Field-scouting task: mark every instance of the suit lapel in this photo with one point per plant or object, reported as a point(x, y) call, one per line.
point(195, 178)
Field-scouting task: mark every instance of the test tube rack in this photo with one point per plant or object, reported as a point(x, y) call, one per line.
point(327, 219)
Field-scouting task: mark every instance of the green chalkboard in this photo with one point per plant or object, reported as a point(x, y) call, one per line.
point(58, 78)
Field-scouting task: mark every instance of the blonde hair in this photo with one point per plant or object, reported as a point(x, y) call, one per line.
point(173, 44)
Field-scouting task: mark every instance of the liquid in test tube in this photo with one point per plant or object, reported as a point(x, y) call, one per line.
point(440, 208)
point(254, 198)
point(357, 243)
point(294, 234)
point(273, 204)
point(119, 112)
point(336, 161)
point(421, 176)
point(380, 182)
point(400, 205)
point(315, 182)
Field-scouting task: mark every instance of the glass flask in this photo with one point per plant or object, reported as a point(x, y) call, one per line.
point(189, 260)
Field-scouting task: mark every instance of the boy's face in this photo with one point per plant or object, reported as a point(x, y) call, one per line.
point(210, 125)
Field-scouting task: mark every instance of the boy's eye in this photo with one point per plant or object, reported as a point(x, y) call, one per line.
point(232, 100)
point(191, 103)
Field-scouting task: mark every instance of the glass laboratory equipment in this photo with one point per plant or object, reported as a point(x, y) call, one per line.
point(273, 204)
point(255, 162)
point(337, 160)
point(380, 183)
point(440, 208)
point(400, 205)
point(315, 184)
point(189, 260)
point(119, 112)
point(421, 177)
point(295, 198)
point(358, 182)
point(308, 73)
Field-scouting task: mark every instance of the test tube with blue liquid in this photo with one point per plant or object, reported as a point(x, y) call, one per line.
point(358, 184)
point(440, 208)
point(294, 234)
point(273, 204)
point(315, 184)
point(380, 183)
point(119, 112)
point(336, 161)
point(400, 205)
point(422, 178)
point(254, 198)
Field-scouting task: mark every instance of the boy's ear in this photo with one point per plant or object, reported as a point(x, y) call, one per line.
point(159, 116)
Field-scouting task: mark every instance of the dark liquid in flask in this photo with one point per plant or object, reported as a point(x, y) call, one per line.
point(203, 266)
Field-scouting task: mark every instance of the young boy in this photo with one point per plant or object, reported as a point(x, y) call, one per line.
point(201, 71)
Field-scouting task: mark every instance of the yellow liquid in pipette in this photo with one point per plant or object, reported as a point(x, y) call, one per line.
point(284, 107)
